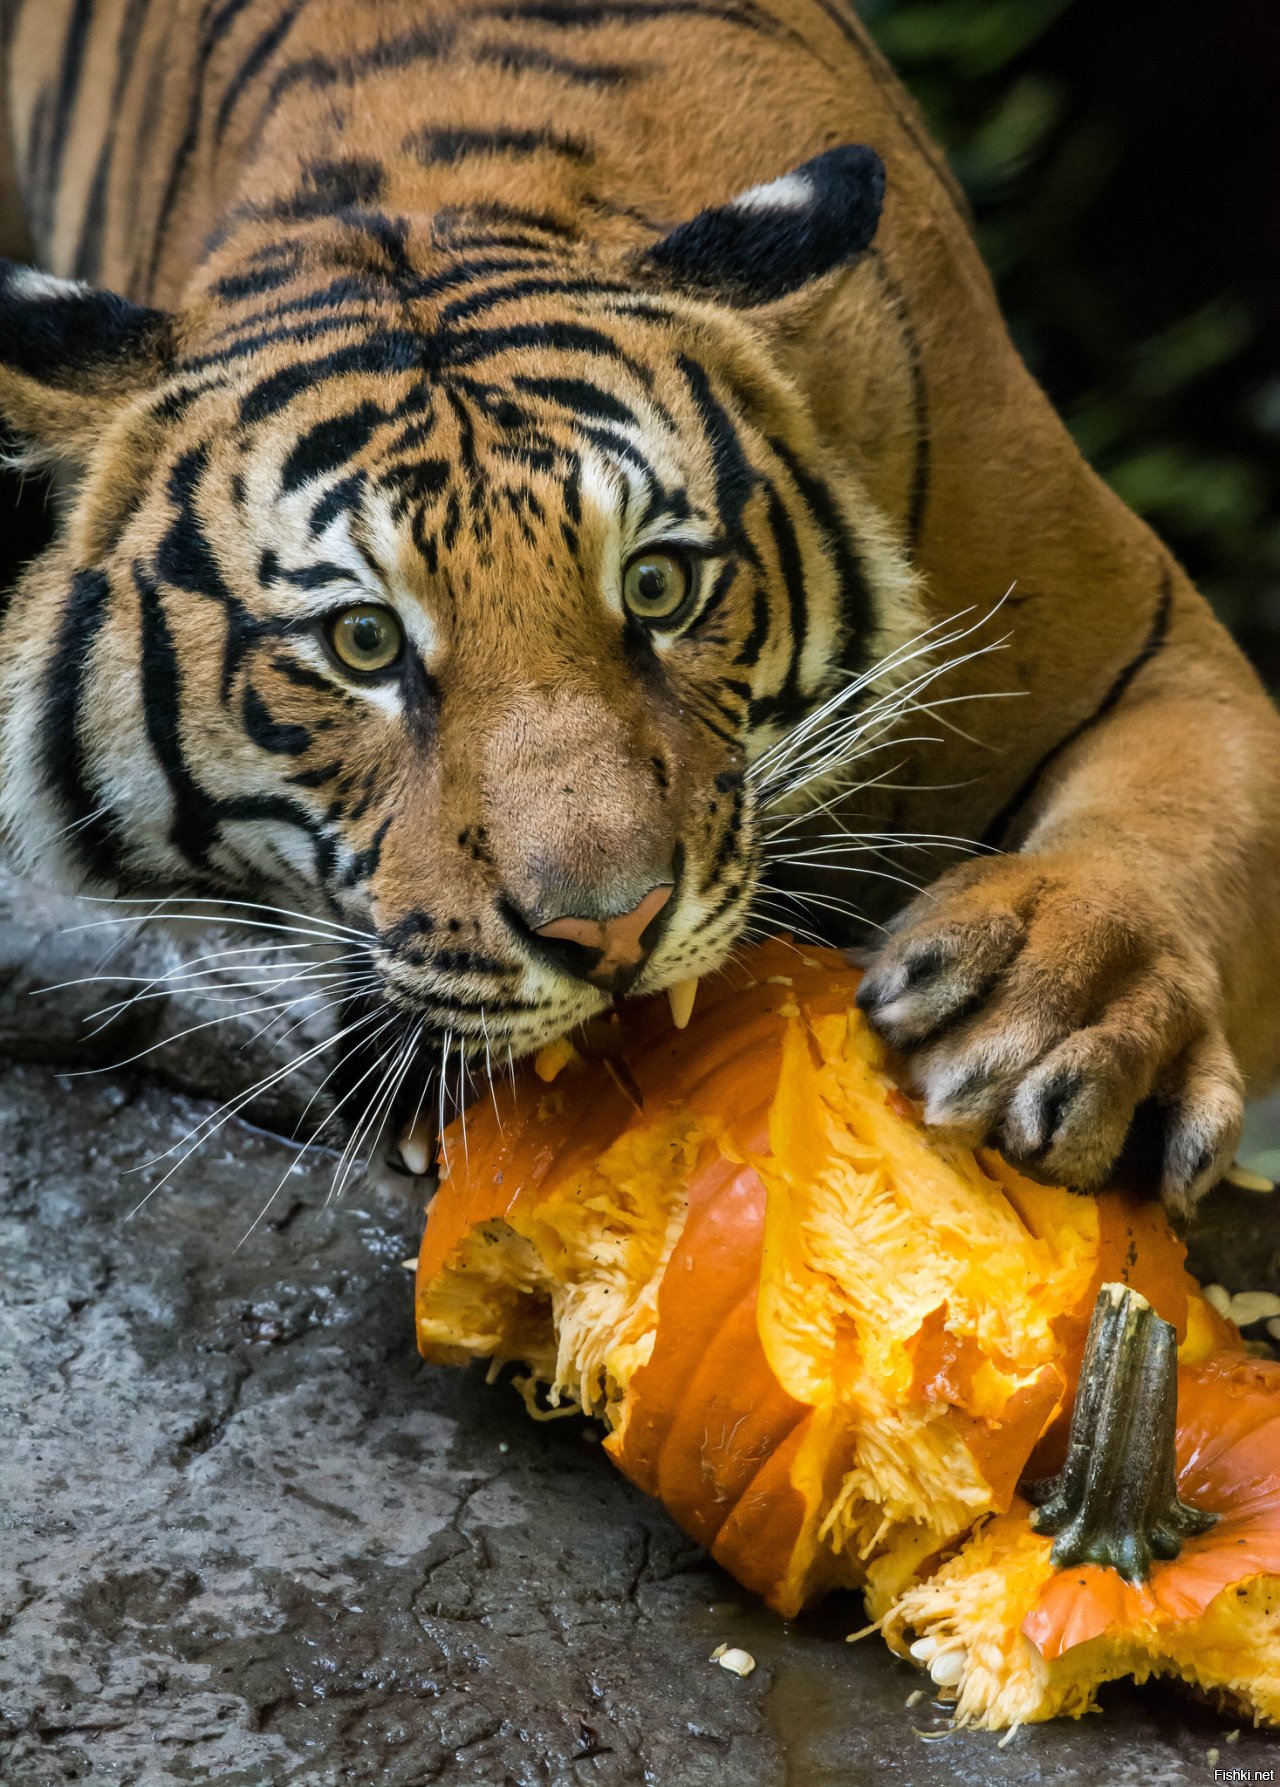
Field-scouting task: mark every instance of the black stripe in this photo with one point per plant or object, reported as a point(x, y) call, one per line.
point(264, 47)
point(732, 890)
point(46, 194)
point(331, 312)
point(730, 710)
point(285, 812)
point(269, 734)
point(465, 272)
point(331, 443)
point(723, 733)
point(445, 145)
point(1154, 642)
point(789, 698)
point(343, 497)
point(336, 295)
point(197, 816)
point(857, 609)
point(193, 828)
point(735, 476)
point(535, 285)
point(615, 446)
point(174, 400)
point(88, 256)
point(713, 604)
point(254, 282)
point(186, 559)
point(386, 234)
point(319, 574)
point(95, 841)
point(585, 400)
point(757, 638)
point(725, 852)
point(414, 924)
point(421, 43)
point(380, 355)
point(185, 556)
point(305, 678)
point(219, 24)
point(414, 434)
point(523, 58)
point(575, 338)
point(315, 778)
point(421, 478)
point(479, 218)
point(365, 862)
point(918, 497)
point(438, 1006)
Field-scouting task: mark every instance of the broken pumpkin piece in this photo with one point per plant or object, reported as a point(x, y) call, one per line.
point(830, 1341)
point(552, 1061)
point(1036, 1607)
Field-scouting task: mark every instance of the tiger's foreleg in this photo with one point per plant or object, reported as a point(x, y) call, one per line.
point(1124, 956)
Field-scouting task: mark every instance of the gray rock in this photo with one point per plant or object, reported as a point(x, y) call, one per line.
point(206, 1008)
point(250, 1538)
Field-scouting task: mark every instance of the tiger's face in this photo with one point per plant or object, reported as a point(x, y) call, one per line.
point(458, 608)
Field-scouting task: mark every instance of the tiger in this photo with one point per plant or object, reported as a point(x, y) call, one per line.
point(545, 488)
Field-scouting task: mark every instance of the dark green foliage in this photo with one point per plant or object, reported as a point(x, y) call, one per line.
point(1123, 162)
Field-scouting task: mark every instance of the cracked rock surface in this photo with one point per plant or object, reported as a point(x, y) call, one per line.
point(248, 1537)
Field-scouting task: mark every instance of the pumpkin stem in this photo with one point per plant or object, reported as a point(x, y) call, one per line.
point(1115, 1500)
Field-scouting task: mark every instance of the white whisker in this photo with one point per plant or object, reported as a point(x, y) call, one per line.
point(211, 1123)
point(400, 1048)
point(165, 907)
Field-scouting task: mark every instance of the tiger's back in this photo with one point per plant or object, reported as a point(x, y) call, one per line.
point(138, 124)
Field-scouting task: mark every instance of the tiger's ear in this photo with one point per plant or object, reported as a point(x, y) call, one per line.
point(773, 239)
point(69, 355)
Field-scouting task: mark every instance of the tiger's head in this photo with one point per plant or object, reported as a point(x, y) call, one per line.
point(449, 584)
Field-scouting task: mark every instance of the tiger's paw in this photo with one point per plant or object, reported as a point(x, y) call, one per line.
point(1040, 1001)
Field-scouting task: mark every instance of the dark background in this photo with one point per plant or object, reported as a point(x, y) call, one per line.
point(1123, 162)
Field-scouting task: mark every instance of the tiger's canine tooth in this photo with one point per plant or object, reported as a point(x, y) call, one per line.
point(1247, 1179)
point(413, 1152)
point(681, 997)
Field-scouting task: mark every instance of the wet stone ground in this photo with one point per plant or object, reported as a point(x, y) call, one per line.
point(248, 1537)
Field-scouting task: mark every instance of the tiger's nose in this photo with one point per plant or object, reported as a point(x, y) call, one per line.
point(607, 951)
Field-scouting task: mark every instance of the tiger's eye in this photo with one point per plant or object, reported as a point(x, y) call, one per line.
point(656, 585)
point(366, 638)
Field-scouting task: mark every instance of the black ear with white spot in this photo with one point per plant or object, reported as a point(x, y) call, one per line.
point(775, 238)
point(69, 354)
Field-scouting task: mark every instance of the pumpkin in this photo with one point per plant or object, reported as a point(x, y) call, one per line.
point(830, 1341)
point(1031, 1615)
